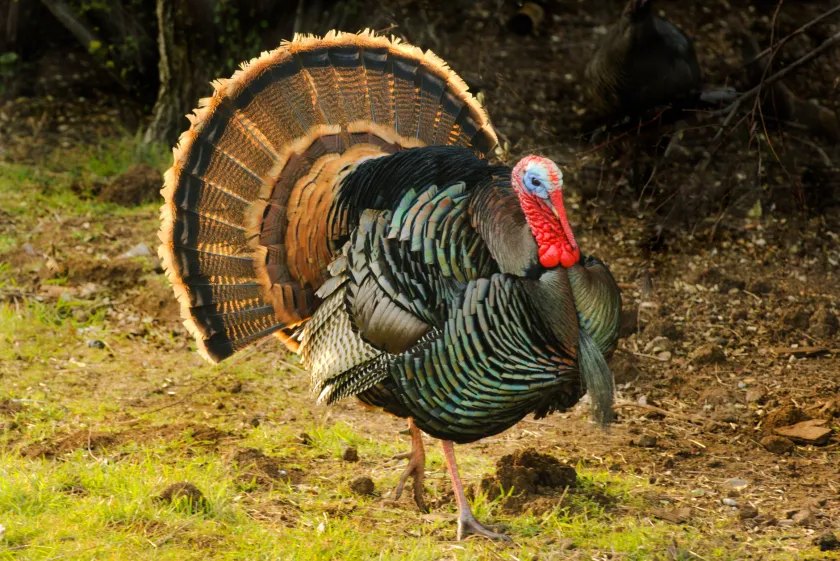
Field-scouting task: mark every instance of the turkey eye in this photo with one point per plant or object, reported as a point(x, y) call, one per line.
point(535, 182)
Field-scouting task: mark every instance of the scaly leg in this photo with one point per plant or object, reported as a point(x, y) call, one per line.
point(467, 524)
point(416, 467)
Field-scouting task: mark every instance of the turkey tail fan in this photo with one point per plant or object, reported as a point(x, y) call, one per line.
point(246, 238)
point(598, 378)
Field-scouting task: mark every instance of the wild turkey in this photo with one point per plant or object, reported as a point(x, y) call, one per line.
point(334, 193)
point(643, 61)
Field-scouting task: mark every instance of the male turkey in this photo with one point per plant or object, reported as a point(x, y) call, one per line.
point(334, 193)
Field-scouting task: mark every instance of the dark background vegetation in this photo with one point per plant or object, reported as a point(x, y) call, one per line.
point(778, 149)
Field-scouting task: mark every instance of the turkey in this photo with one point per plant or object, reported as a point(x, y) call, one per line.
point(642, 62)
point(335, 193)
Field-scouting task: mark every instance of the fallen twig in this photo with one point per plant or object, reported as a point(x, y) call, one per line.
point(665, 412)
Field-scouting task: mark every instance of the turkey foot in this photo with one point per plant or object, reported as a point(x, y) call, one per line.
point(416, 467)
point(467, 524)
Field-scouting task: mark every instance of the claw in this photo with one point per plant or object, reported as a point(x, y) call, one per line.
point(416, 468)
point(469, 525)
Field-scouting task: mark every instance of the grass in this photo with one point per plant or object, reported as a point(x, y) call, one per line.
point(99, 502)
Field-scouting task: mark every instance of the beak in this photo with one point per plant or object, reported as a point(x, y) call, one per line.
point(555, 203)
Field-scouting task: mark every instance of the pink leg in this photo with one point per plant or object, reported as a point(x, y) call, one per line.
point(467, 524)
point(416, 467)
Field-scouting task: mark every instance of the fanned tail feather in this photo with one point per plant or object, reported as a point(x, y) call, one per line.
point(247, 230)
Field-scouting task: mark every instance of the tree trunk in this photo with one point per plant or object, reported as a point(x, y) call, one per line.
point(183, 76)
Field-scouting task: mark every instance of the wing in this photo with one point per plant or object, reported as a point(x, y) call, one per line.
point(491, 363)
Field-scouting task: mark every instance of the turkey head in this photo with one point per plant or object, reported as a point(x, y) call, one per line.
point(539, 184)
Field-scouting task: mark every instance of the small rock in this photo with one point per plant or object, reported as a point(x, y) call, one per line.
point(826, 542)
point(236, 388)
point(95, 344)
point(139, 250)
point(747, 512)
point(737, 483)
point(760, 287)
point(362, 485)
point(729, 502)
point(777, 444)
point(807, 432)
point(183, 491)
point(804, 518)
point(754, 395)
point(662, 328)
point(350, 454)
point(647, 441)
point(29, 250)
point(676, 516)
point(708, 354)
point(305, 439)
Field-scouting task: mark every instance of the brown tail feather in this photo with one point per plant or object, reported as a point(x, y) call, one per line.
point(247, 227)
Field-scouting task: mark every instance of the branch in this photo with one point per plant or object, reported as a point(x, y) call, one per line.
point(65, 15)
point(808, 57)
point(795, 33)
point(77, 27)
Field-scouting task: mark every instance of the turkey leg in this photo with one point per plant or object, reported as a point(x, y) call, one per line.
point(467, 524)
point(416, 467)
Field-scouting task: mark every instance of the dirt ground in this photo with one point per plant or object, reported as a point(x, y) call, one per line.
point(730, 328)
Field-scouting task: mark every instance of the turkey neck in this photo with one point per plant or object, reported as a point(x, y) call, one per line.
point(496, 213)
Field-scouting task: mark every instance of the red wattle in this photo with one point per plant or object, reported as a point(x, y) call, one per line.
point(551, 257)
point(569, 258)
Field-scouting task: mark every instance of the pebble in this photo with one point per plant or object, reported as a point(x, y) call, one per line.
point(729, 502)
point(804, 518)
point(647, 441)
point(139, 250)
point(737, 483)
point(778, 445)
point(748, 511)
point(350, 454)
point(95, 344)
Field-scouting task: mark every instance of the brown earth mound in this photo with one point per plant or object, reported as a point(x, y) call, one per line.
point(140, 184)
point(528, 474)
